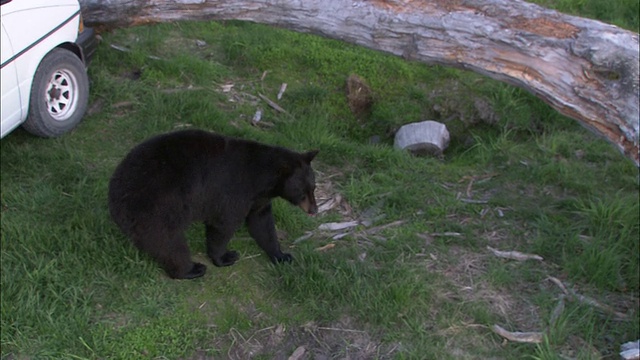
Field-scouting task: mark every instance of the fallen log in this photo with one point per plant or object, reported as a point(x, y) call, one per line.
point(585, 69)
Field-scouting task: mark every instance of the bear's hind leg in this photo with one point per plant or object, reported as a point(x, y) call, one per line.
point(172, 253)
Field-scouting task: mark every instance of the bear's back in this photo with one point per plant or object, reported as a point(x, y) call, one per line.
point(191, 174)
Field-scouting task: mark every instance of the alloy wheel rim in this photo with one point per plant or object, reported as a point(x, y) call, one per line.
point(61, 94)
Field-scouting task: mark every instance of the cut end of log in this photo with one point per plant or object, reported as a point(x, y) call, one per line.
point(423, 138)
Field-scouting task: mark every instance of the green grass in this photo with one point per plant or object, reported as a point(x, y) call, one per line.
point(74, 287)
point(623, 13)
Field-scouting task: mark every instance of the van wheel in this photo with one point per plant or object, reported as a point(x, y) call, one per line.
point(59, 94)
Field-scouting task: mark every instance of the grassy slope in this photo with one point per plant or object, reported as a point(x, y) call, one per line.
point(72, 287)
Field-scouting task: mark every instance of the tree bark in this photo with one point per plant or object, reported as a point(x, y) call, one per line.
point(585, 69)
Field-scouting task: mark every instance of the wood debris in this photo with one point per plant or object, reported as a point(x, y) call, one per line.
point(382, 227)
point(123, 104)
point(330, 204)
point(256, 117)
point(514, 255)
point(187, 88)
point(473, 179)
point(447, 234)
point(341, 235)
point(473, 201)
point(272, 104)
point(329, 246)
point(283, 88)
point(329, 199)
point(516, 336)
point(304, 237)
point(589, 301)
point(630, 350)
point(298, 353)
point(557, 311)
point(226, 87)
point(335, 226)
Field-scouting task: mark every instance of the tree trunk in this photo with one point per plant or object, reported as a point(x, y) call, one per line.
point(584, 68)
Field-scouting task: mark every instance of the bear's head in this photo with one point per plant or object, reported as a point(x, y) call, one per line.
point(299, 183)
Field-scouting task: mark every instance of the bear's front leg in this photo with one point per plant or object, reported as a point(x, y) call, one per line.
point(218, 237)
point(263, 230)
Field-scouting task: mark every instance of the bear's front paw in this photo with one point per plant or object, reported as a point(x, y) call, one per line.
point(196, 271)
point(282, 258)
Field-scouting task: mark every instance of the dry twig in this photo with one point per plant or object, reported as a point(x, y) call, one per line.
point(382, 227)
point(589, 301)
point(334, 226)
point(272, 104)
point(516, 336)
point(326, 247)
point(283, 87)
point(514, 255)
point(298, 353)
point(557, 311)
point(447, 234)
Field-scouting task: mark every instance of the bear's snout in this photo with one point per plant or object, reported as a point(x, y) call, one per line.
point(309, 205)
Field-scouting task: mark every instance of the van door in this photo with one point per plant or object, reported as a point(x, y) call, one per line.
point(11, 106)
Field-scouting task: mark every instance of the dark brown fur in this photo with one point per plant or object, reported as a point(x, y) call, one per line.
point(169, 181)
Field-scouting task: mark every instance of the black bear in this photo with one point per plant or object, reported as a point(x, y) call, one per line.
point(171, 180)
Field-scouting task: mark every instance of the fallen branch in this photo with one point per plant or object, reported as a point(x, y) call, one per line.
point(585, 69)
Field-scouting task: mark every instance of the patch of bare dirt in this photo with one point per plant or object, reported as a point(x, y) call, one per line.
point(342, 339)
point(466, 269)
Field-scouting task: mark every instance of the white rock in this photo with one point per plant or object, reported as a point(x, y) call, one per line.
point(423, 138)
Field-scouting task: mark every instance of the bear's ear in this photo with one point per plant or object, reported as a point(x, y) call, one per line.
point(310, 155)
